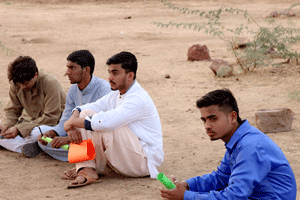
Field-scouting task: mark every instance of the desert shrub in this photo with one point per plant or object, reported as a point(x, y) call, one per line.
point(274, 39)
point(8, 51)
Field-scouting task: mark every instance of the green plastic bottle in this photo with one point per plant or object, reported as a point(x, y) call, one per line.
point(167, 182)
point(65, 147)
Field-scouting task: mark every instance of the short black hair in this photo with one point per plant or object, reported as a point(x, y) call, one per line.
point(126, 59)
point(84, 58)
point(223, 98)
point(22, 69)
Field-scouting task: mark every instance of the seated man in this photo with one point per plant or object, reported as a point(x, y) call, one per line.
point(39, 94)
point(86, 88)
point(253, 167)
point(124, 126)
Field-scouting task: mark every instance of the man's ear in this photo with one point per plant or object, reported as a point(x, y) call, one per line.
point(131, 75)
point(233, 117)
point(87, 69)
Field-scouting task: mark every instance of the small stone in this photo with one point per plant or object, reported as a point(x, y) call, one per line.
point(167, 76)
point(221, 68)
point(241, 42)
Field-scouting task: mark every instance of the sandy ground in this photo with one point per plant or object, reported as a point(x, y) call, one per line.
point(48, 32)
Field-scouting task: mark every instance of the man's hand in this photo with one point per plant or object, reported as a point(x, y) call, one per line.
point(3, 128)
point(176, 193)
point(50, 134)
point(74, 136)
point(10, 133)
point(57, 141)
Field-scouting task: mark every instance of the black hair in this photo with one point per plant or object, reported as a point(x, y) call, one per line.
point(22, 69)
point(223, 98)
point(126, 59)
point(84, 58)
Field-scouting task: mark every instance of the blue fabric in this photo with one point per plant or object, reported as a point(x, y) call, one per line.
point(253, 167)
point(96, 89)
point(87, 123)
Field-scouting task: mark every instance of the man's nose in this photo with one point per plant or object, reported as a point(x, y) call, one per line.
point(67, 72)
point(207, 125)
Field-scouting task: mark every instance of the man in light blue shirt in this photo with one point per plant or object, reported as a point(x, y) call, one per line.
point(85, 88)
point(253, 167)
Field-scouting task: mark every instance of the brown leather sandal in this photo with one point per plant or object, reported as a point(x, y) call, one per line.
point(88, 177)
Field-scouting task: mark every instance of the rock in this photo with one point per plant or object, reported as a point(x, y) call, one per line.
point(274, 120)
point(241, 42)
point(274, 14)
point(198, 52)
point(221, 68)
point(167, 76)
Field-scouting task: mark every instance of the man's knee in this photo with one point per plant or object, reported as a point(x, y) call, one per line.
point(86, 112)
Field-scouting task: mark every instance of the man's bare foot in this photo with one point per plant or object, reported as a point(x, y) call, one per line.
point(70, 174)
point(82, 178)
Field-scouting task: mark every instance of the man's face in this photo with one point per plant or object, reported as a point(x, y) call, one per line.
point(118, 78)
point(29, 85)
point(74, 72)
point(218, 124)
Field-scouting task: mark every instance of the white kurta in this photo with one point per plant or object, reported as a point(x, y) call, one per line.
point(135, 109)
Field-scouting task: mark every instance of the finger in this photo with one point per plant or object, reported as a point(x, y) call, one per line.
point(173, 178)
point(53, 143)
point(80, 138)
point(71, 136)
point(43, 142)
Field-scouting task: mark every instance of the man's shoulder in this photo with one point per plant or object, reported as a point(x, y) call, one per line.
point(139, 93)
point(99, 81)
point(45, 77)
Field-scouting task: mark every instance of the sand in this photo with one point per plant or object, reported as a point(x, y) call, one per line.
point(49, 32)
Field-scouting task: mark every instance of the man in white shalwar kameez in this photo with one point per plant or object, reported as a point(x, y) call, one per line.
point(124, 126)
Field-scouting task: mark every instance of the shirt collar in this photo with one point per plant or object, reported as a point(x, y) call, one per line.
point(129, 87)
point(37, 83)
point(239, 133)
point(89, 86)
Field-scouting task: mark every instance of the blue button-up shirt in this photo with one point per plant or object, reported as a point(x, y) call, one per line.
point(96, 89)
point(253, 167)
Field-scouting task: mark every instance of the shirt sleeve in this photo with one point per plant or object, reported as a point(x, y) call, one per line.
point(53, 102)
point(132, 109)
point(13, 109)
point(69, 106)
point(248, 169)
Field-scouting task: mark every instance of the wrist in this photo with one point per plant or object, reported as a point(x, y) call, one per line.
point(186, 185)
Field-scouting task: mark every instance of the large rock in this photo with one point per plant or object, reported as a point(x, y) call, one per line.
point(221, 68)
point(198, 52)
point(274, 120)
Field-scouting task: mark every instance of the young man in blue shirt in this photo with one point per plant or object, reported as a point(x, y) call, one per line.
point(85, 88)
point(253, 167)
